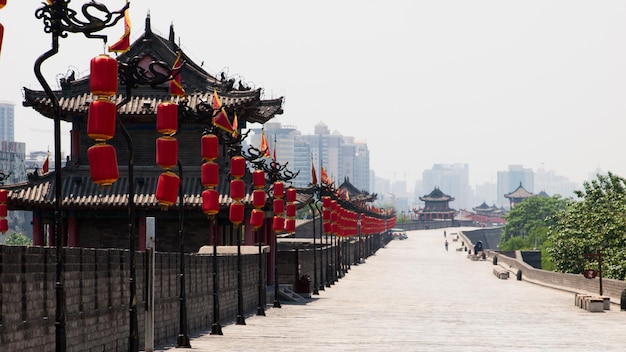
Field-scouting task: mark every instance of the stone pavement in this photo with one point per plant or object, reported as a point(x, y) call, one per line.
point(413, 295)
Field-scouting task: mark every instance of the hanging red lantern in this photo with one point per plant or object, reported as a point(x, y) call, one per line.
point(167, 188)
point(326, 202)
point(4, 225)
point(166, 152)
point(258, 198)
point(279, 189)
point(101, 119)
point(210, 174)
point(210, 202)
point(278, 224)
point(291, 194)
point(3, 195)
point(209, 145)
point(3, 210)
point(103, 164)
point(290, 225)
point(237, 189)
point(167, 118)
point(258, 179)
point(328, 227)
point(256, 218)
point(2, 3)
point(291, 210)
point(103, 77)
point(279, 206)
point(235, 215)
point(1, 35)
point(237, 166)
point(326, 215)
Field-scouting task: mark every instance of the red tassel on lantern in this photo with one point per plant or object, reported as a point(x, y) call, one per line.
point(210, 202)
point(167, 188)
point(258, 179)
point(256, 218)
point(237, 166)
point(258, 198)
point(101, 120)
point(103, 77)
point(237, 189)
point(236, 213)
point(103, 164)
point(210, 174)
point(209, 144)
point(167, 118)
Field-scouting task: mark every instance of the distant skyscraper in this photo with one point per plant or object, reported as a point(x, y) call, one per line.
point(7, 118)
point(451, 179)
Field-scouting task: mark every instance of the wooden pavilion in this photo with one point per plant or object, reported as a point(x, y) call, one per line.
point(436, 206)
point(518, 195)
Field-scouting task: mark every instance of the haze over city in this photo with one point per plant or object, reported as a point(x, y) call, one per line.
point(487, 83)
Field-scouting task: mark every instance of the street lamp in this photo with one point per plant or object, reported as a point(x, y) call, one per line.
point(58, 20)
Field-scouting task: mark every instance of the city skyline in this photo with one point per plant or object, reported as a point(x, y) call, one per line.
point(486, 83)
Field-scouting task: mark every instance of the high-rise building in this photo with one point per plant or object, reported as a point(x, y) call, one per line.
point(362, 176)
point(451, 179)
point(7, 118)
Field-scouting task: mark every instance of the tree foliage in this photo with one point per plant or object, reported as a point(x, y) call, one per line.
point(531, 214)
point(17, 239)
point(596, 223)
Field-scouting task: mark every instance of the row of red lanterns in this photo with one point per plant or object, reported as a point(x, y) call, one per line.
point(209, 148)
point(167, 153)
point(258, 199)
point(237, 190)
point(101, 120)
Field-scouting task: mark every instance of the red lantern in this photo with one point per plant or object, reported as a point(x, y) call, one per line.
point(237, 189)
point(4, 225)
point(3, 210)
point(328, 227)
point(103, 164)
point(3, 195)
point(103, 78)
point(256, 218)
point(209, 144)
point(291, 210)
point(101, 119)
point(279, 206)
point(237, 166)
point(236, 213)
point(167, 188)
point(290, 225)
point(210, 174)
point(279, 189)
point(278, 223)
point(2, 3)
point(166, 152)
point(291, 194)
point(258, 179)
point(210, 202)
point(326, 215)
point(326, 202)
point(167, 118)
point(258, 198)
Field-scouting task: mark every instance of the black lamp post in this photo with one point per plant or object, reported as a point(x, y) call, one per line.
point(59, 20)
point(183, 337)
point(315, 288)
point(260, 309)
point(321, 227)
point(216, 327)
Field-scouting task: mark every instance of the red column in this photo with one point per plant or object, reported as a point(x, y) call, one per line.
point(39, 238)
point(75, 144)
point(72, 229)
point(141, 229)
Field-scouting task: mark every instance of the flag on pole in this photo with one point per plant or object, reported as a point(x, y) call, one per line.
point(221, 118)
point(325, 179)
point(235, 126)
point(122, 45)
point(217, 104)
point(274, 154)
point(46, 164)
point(265, 148)
point(176, 87)
point(313, 173)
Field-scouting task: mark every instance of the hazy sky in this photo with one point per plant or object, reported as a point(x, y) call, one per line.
point(488, 83)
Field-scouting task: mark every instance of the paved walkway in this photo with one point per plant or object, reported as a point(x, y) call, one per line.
point(414, 295)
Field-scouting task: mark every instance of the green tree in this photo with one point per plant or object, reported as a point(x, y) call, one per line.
point(532, 213)
point(595, 223)
point(17, 239)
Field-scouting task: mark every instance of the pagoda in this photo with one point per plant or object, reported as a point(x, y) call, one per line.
point(518, 195)
point(436, 206)
point(97, 217)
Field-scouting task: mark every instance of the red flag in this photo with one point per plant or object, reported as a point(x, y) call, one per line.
point(274, 154)
point(176, 87)
point(265, 149)
point(122, 45)
point(217, 104)
point(325, 179)
point(313, 174)
point(221, 120)
point(235, 126)
point(46, 164)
